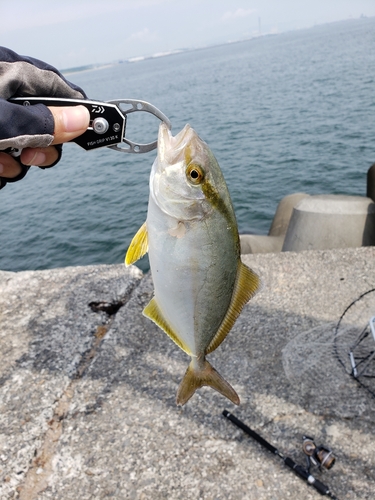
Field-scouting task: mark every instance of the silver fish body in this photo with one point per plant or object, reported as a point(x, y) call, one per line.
point(192, 239)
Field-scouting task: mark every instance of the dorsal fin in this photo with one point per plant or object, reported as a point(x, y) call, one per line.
point(246, 285)
point(153, 312)
point(138, 246)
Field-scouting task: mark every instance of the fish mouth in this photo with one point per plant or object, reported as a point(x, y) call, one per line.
point(172, 149)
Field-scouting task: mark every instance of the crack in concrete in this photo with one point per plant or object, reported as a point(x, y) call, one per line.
point(41, 467)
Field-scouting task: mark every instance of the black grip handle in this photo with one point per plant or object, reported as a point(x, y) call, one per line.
point(107, 122)
point(304, 474)
point(322, 488)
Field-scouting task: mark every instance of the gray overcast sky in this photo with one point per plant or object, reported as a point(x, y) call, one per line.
point(69, 33)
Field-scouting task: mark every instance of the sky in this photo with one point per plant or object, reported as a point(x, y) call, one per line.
point(73, 33)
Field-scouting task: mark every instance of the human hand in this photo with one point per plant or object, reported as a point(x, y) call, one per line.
point(70, 122)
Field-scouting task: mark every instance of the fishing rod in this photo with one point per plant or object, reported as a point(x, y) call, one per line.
point(320, 455)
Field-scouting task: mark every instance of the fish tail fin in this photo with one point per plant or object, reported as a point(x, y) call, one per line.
point(205, 374)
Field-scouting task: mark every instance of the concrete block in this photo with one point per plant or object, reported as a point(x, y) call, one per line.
point(331, 221)
point(284, 212)
point(254, 243)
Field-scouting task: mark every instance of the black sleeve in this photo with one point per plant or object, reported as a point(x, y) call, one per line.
point(30, 126)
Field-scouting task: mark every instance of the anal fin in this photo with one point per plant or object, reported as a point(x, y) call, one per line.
point(153, 312)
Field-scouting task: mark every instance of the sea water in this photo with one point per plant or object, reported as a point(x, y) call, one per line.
point(293, 112)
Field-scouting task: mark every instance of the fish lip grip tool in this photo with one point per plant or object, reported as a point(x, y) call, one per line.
point(108, 121)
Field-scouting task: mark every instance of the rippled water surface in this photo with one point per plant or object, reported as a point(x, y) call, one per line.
point(285, 113)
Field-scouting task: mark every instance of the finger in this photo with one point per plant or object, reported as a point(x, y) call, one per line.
point(9, 167)
point(39, 157)
point(70, 122)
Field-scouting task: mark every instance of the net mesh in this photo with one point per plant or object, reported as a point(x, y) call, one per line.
point(321, 362)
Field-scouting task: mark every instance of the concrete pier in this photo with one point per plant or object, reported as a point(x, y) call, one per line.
point(88, 385)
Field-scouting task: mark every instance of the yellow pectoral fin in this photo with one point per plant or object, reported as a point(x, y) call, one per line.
point(246, 285)
point(138, 246)
point(153, 312)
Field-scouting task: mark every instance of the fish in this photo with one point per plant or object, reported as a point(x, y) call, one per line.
point(191, 236)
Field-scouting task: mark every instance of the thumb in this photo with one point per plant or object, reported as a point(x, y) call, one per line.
point(70, 122)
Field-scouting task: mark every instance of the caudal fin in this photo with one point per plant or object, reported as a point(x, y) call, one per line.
point(207, 375)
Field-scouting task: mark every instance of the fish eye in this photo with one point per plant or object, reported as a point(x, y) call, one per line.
point(194, 173)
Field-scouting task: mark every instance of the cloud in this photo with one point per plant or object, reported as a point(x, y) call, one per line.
point(239, 13)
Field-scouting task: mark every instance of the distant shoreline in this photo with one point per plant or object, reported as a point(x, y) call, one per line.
point(157, 55)
point(135, 59)
point(89, 67)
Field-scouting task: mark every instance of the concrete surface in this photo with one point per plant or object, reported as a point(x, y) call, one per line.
point(87, 399)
